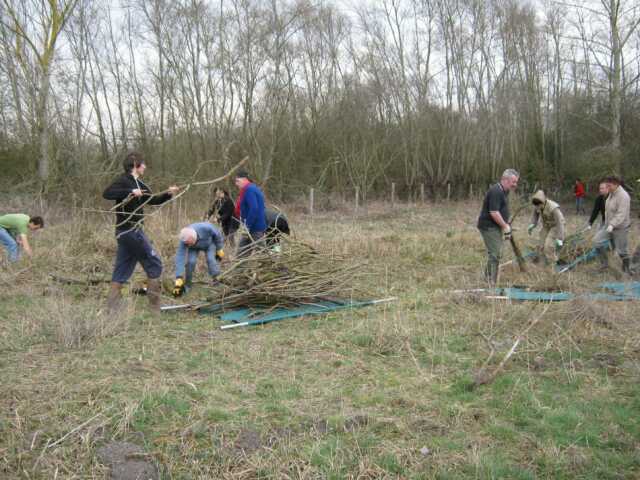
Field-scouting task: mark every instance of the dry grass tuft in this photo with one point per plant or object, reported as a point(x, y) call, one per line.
point(72, 324)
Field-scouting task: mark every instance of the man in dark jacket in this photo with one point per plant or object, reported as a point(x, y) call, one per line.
point(222, 210)
point(250, 211)
point(131, 195)
point(598, 206)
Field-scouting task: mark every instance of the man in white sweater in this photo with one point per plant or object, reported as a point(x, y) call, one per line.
point(617, 224)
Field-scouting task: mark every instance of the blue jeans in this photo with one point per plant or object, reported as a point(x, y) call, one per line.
point(134, 247)
point(10, 244)
point(192, 259)
point(579, 205)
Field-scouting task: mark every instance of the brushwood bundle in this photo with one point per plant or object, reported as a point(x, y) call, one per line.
point(298, 274)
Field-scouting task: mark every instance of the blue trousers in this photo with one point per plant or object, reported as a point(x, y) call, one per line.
point(10, 244)
point(134, 247)
point(192, 259)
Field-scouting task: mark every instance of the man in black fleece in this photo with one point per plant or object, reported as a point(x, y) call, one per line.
point(598, 206)
point(131, 194)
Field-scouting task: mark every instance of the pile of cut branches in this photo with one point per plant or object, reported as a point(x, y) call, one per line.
point(575, 245)
point(296, 275)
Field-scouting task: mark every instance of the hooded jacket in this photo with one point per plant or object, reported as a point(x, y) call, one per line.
point(550, 213)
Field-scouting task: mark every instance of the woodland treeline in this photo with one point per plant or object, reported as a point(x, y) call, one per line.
point(326, 94)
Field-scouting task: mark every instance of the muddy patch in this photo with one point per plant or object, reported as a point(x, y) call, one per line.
point(248, 441)
point(127, 461)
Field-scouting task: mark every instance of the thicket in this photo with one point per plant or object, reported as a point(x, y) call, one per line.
point(433, 94)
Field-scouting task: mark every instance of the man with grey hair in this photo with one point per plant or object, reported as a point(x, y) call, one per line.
point(196, 238)
point(617, 225)
point(493, 221)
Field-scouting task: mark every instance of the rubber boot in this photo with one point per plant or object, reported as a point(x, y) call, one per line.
point(114, 299)
point(626, 265)
point(153, 292)
point(491, 273)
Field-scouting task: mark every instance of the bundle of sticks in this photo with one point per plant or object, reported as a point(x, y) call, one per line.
point(294, 274)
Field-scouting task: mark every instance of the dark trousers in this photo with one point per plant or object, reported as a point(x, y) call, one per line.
point(250, 242)
point(134, 247)
point(493, 242)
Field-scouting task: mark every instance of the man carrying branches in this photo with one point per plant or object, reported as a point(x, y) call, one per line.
point(130, 195)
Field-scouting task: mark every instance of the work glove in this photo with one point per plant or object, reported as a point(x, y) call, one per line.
point(587, 226)
point(220, 255)
point(610, 229)
point(178, 288)
point(506, 232)
point(530, 228)
point(559, 243)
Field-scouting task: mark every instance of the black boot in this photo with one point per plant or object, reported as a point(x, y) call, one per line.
point(626, 265)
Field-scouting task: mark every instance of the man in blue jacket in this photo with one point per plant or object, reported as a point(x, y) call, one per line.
point(250, 211)
point(196, 238)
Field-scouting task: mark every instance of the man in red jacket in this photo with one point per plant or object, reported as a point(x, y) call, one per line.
point(580, 193)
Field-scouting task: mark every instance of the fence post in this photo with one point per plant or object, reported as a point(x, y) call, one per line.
point(393, 193)
point(448, 191)
point(422, 192)
point(357, 197)
point(311, 201)
point(471, 190)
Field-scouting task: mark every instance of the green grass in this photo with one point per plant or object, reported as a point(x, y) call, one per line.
point(346, 395)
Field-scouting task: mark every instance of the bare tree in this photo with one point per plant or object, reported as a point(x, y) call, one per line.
point(37, 27)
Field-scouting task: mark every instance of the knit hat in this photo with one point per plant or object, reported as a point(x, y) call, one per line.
point(187, 234)
point(242, 174)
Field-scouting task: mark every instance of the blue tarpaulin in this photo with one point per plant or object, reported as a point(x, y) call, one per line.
point(610, 291)
point(252, 316)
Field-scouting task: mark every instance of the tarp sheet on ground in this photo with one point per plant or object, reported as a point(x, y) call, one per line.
point(610, 291)
point(240, 317)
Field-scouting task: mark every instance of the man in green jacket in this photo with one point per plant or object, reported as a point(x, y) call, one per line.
point(13, 233)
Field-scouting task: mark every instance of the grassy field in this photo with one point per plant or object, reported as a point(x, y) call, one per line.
point(381, 392)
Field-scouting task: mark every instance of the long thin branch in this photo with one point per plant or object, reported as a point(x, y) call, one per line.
point(483, 378)
point(183, 189)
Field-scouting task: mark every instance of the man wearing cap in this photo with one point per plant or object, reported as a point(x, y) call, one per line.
point(131, 194)
point(251, 212)
point(196, 238)
point(552, 224)
point(617, 225)
point(13, 233)
point(493, 221)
